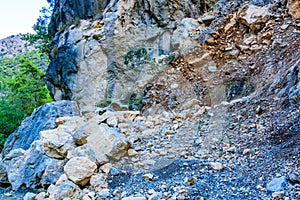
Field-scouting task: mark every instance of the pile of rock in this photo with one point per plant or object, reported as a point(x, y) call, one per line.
point(81, 150)
point(68, 155)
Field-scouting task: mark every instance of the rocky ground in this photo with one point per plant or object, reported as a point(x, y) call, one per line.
point(7, 194)
point(245, 157)
point(235, 150)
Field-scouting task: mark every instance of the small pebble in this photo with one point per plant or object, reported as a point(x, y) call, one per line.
point(216, 165)
point(148, 177)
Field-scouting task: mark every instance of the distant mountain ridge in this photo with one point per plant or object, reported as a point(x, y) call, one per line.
point(12, 46)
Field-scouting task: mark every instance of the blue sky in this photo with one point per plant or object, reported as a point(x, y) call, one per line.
point(18, 16)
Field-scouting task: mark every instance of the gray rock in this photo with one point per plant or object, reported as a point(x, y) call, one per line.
point(277, 184)
point(233, 53)
point(224, 7)
point(29, 196)
point(52, 173)
point(104, 193)
point(290, 82)
point(27, 170)
point(261, 2)
point(83, 151)
point(294, 178)
point(79, 170)
point(232, 149)
point(3, 174)
point(70, 11)
point(156, 196)
point(68, 189)
point(254, 17)
point(134, 198)
point(212, 68)
point(182, 32)
point(62, 71)
point(14, 153)
point(56, 144)
point(42, 118)
point(107, 144)
point(241, 100)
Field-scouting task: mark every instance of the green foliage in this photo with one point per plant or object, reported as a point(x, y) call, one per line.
point(9, 67)
point(5, 73)
point(11, 115)
point(37, 58)
point(104, 103)
point(135, 103)
point(29, 86)
point(136, 57)
point(22, 78)
point(220, 154)
point(199, 127)
point(22, 89)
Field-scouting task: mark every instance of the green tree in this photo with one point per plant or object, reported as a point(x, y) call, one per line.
point(29, 86)
point(11, 116)
point(20, 94)
point(22, 83)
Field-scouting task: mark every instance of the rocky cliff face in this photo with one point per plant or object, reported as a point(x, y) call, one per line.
point(215, 86)
point(120, 49)
point(116, 50)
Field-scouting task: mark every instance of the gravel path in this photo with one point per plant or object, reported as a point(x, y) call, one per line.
point(238, 157)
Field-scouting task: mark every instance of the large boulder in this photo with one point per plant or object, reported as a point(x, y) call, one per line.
point(254, 17)
point(101, 143)
point(27, 169)
point(42, 118)
point(108, 144)
point(52, 173)
point(66, 190)
point(79, 170)
point(56, 144)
